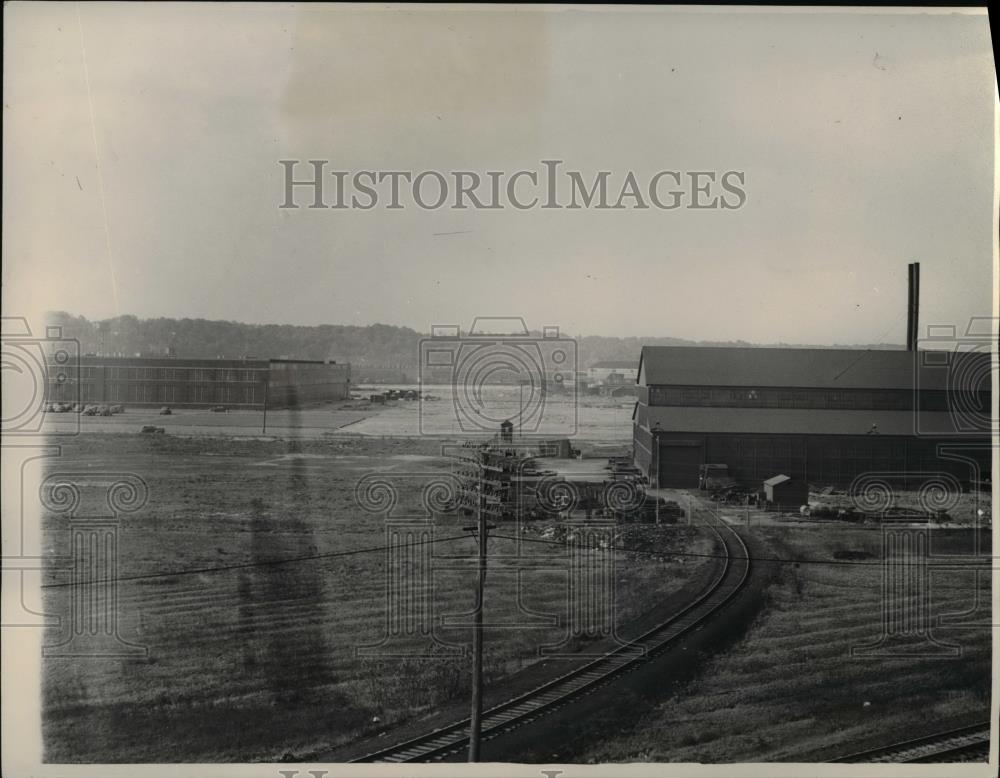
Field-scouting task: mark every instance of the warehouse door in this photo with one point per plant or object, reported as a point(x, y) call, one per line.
point(679, 465)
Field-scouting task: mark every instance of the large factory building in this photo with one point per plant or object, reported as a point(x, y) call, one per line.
point(200, 383)
point(822, 416)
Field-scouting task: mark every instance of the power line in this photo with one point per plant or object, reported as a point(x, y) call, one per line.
point(371, 549)
point(867, 351)
point(777, 560)
point(245, 565)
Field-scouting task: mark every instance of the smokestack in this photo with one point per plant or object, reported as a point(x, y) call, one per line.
point(913, 306)
point(909, 307)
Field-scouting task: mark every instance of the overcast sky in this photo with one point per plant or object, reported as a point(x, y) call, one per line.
point(141, 173)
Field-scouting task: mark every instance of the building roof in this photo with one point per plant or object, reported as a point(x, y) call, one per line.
point(89, 360)
point(778, 479)
point(801, 421)
point(630, 364)
point(807, 368)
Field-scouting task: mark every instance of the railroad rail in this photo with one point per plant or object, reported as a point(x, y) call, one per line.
point(525, 708)
point(952, 745)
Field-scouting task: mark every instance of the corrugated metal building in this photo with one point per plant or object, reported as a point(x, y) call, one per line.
point(199, 383)
point(820, 415)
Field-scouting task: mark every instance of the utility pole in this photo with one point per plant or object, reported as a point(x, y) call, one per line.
point(476, 723)
point(482, 530)
point(264, 428)
point(520, 412)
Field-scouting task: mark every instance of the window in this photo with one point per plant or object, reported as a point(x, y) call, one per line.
point(839, 400)
point(695, 396)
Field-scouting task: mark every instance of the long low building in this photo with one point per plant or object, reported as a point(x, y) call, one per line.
point(613, 372)
point(824, 416)
point(199, 383)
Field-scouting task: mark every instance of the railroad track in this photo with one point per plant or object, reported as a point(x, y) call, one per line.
point(953, 745)
point(525, 708)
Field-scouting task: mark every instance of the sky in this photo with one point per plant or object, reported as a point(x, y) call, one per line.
point(141, 175)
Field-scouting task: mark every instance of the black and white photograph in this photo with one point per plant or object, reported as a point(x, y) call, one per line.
point(581, 390)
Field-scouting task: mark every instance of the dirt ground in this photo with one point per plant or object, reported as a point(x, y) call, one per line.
point(597, 420)
point(960, 508)
point(246, 639)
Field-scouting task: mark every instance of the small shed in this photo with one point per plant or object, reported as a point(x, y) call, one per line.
point(785, 491)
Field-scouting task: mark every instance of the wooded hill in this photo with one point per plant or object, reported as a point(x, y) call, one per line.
point(375, 344)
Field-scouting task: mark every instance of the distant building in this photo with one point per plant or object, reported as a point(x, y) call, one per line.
point(199, 383)
point(820, 416)
point(612, 372)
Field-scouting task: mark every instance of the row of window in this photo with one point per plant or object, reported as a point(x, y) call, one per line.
point(304, 374)
point(829, 399)
point(156, 393)
point(835, 469)
point(828, 459)
point(176, 374)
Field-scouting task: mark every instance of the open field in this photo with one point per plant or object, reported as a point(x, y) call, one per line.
point(590, 418)
point(234, 651)
point(790, 690)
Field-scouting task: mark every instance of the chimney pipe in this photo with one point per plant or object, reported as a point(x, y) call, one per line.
point(912, 305)
point(909, 307)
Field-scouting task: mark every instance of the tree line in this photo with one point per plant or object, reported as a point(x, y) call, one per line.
point(375, 344)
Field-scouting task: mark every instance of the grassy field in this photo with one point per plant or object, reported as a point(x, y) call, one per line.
point(259, 660)
point(791, 689)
